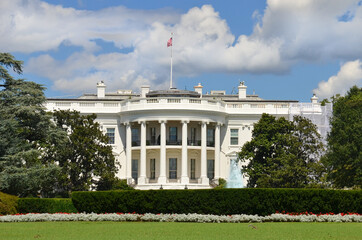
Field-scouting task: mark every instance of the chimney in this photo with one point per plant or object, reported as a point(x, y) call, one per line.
point(198, 89)
point(242, 90)
point(101, 89)
point(144, 90)
point(314, 99)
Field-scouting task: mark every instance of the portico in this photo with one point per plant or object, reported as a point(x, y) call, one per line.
point(172, 153)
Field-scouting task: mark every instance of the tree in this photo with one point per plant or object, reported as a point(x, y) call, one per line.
point(24, 131)
point(283, 153)
point(344, 158)
point(85, 156)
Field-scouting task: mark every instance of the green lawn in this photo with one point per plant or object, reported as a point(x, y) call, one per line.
point(153, 230)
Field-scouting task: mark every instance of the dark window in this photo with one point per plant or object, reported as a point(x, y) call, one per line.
point(193, 169)
point(173, 168)
point(153, 135)
point(135, 169)
point(210, 137)
point(210, 169)
point(135, 137)
point(153, 168)
point(173, 135)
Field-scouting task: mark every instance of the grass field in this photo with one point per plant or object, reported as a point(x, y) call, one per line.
point(153, 230)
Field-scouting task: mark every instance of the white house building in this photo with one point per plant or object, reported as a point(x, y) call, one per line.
point(176, 139)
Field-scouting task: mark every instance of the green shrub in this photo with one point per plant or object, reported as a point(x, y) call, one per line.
point(220, 201)
point(46, 205)
point(8, 204)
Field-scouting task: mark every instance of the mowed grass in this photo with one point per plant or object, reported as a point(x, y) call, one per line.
point(156, 230)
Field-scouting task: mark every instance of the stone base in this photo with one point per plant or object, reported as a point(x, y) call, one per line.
point(185, 180)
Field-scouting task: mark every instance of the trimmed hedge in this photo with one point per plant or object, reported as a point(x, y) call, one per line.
point(8, 204)
point(220, 201)
point(46, 205)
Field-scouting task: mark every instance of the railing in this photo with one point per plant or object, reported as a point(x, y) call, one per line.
point(194, 142)
point(152, 143)
point(173, 142)
point(210, 143)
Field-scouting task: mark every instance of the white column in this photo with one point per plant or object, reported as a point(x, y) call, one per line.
point(128, 153)
point(142, 177)
point(184, 176)
point(217, 151)
point(203, 176)
point(162, 176)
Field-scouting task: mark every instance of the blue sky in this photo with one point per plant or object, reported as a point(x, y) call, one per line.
point(282, 49)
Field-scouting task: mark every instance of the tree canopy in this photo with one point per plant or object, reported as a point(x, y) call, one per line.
point(38, 157)
point(283, 153)
point(85, 156)
point(344, 158)
point(24, 128)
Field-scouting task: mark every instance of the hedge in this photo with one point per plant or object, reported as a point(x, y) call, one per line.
point(8, 204)
point(46, 205)
point(220, 201)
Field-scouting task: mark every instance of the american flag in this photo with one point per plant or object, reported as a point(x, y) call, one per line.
point(169, 42)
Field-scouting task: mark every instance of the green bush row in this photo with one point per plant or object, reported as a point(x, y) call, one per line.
point(8, 204)
point(220, 201)
point(45, 205)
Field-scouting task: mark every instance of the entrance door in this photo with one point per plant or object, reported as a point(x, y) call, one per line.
point(135, 170)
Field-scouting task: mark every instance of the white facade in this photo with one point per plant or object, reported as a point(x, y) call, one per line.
point(176, 139)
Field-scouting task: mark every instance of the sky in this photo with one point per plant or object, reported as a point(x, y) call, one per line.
point(281, 49)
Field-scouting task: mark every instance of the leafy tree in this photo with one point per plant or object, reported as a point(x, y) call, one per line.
point(283, 153)
point(344, 158)
point(85, 156)
point(24, 128)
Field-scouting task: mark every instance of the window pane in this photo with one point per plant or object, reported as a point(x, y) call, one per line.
point(234, 136)
point(153, 168)
point(135, 169)
point(135, 137)
point(173, 134)
point(210, 169)
point(173, 168)
point(193, 162)
point(110, 134)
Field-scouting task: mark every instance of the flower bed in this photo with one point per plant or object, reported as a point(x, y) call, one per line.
point(202, 218)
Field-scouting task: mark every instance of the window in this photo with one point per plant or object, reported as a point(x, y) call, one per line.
point(135, 169)
point(153, 168)
point(210, 169)
point(173, 135)
point(210, 137)
point(153, 135)
point(193, 169)
point(110, 134)
point(172, 168)
point(193, 137)
point(234, 136)
point(135, 137)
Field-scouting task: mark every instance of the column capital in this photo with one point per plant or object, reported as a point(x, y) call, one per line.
point(205, 122)
point(185, 121)
point(142, 121)
point(126, 123)
point(219, 124)
point(162, 121)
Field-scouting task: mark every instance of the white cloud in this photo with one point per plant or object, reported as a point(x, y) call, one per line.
point(349, 75)
point(286, 33)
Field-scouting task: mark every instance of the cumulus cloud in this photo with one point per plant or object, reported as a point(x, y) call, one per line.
point(349, 75)
point(285, 33)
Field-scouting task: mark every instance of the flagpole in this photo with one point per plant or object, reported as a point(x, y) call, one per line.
point(171, 61)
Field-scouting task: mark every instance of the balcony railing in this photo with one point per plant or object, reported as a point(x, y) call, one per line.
point(173, 142)
point(137, 143)
point(210, 143)
point(194, 142)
